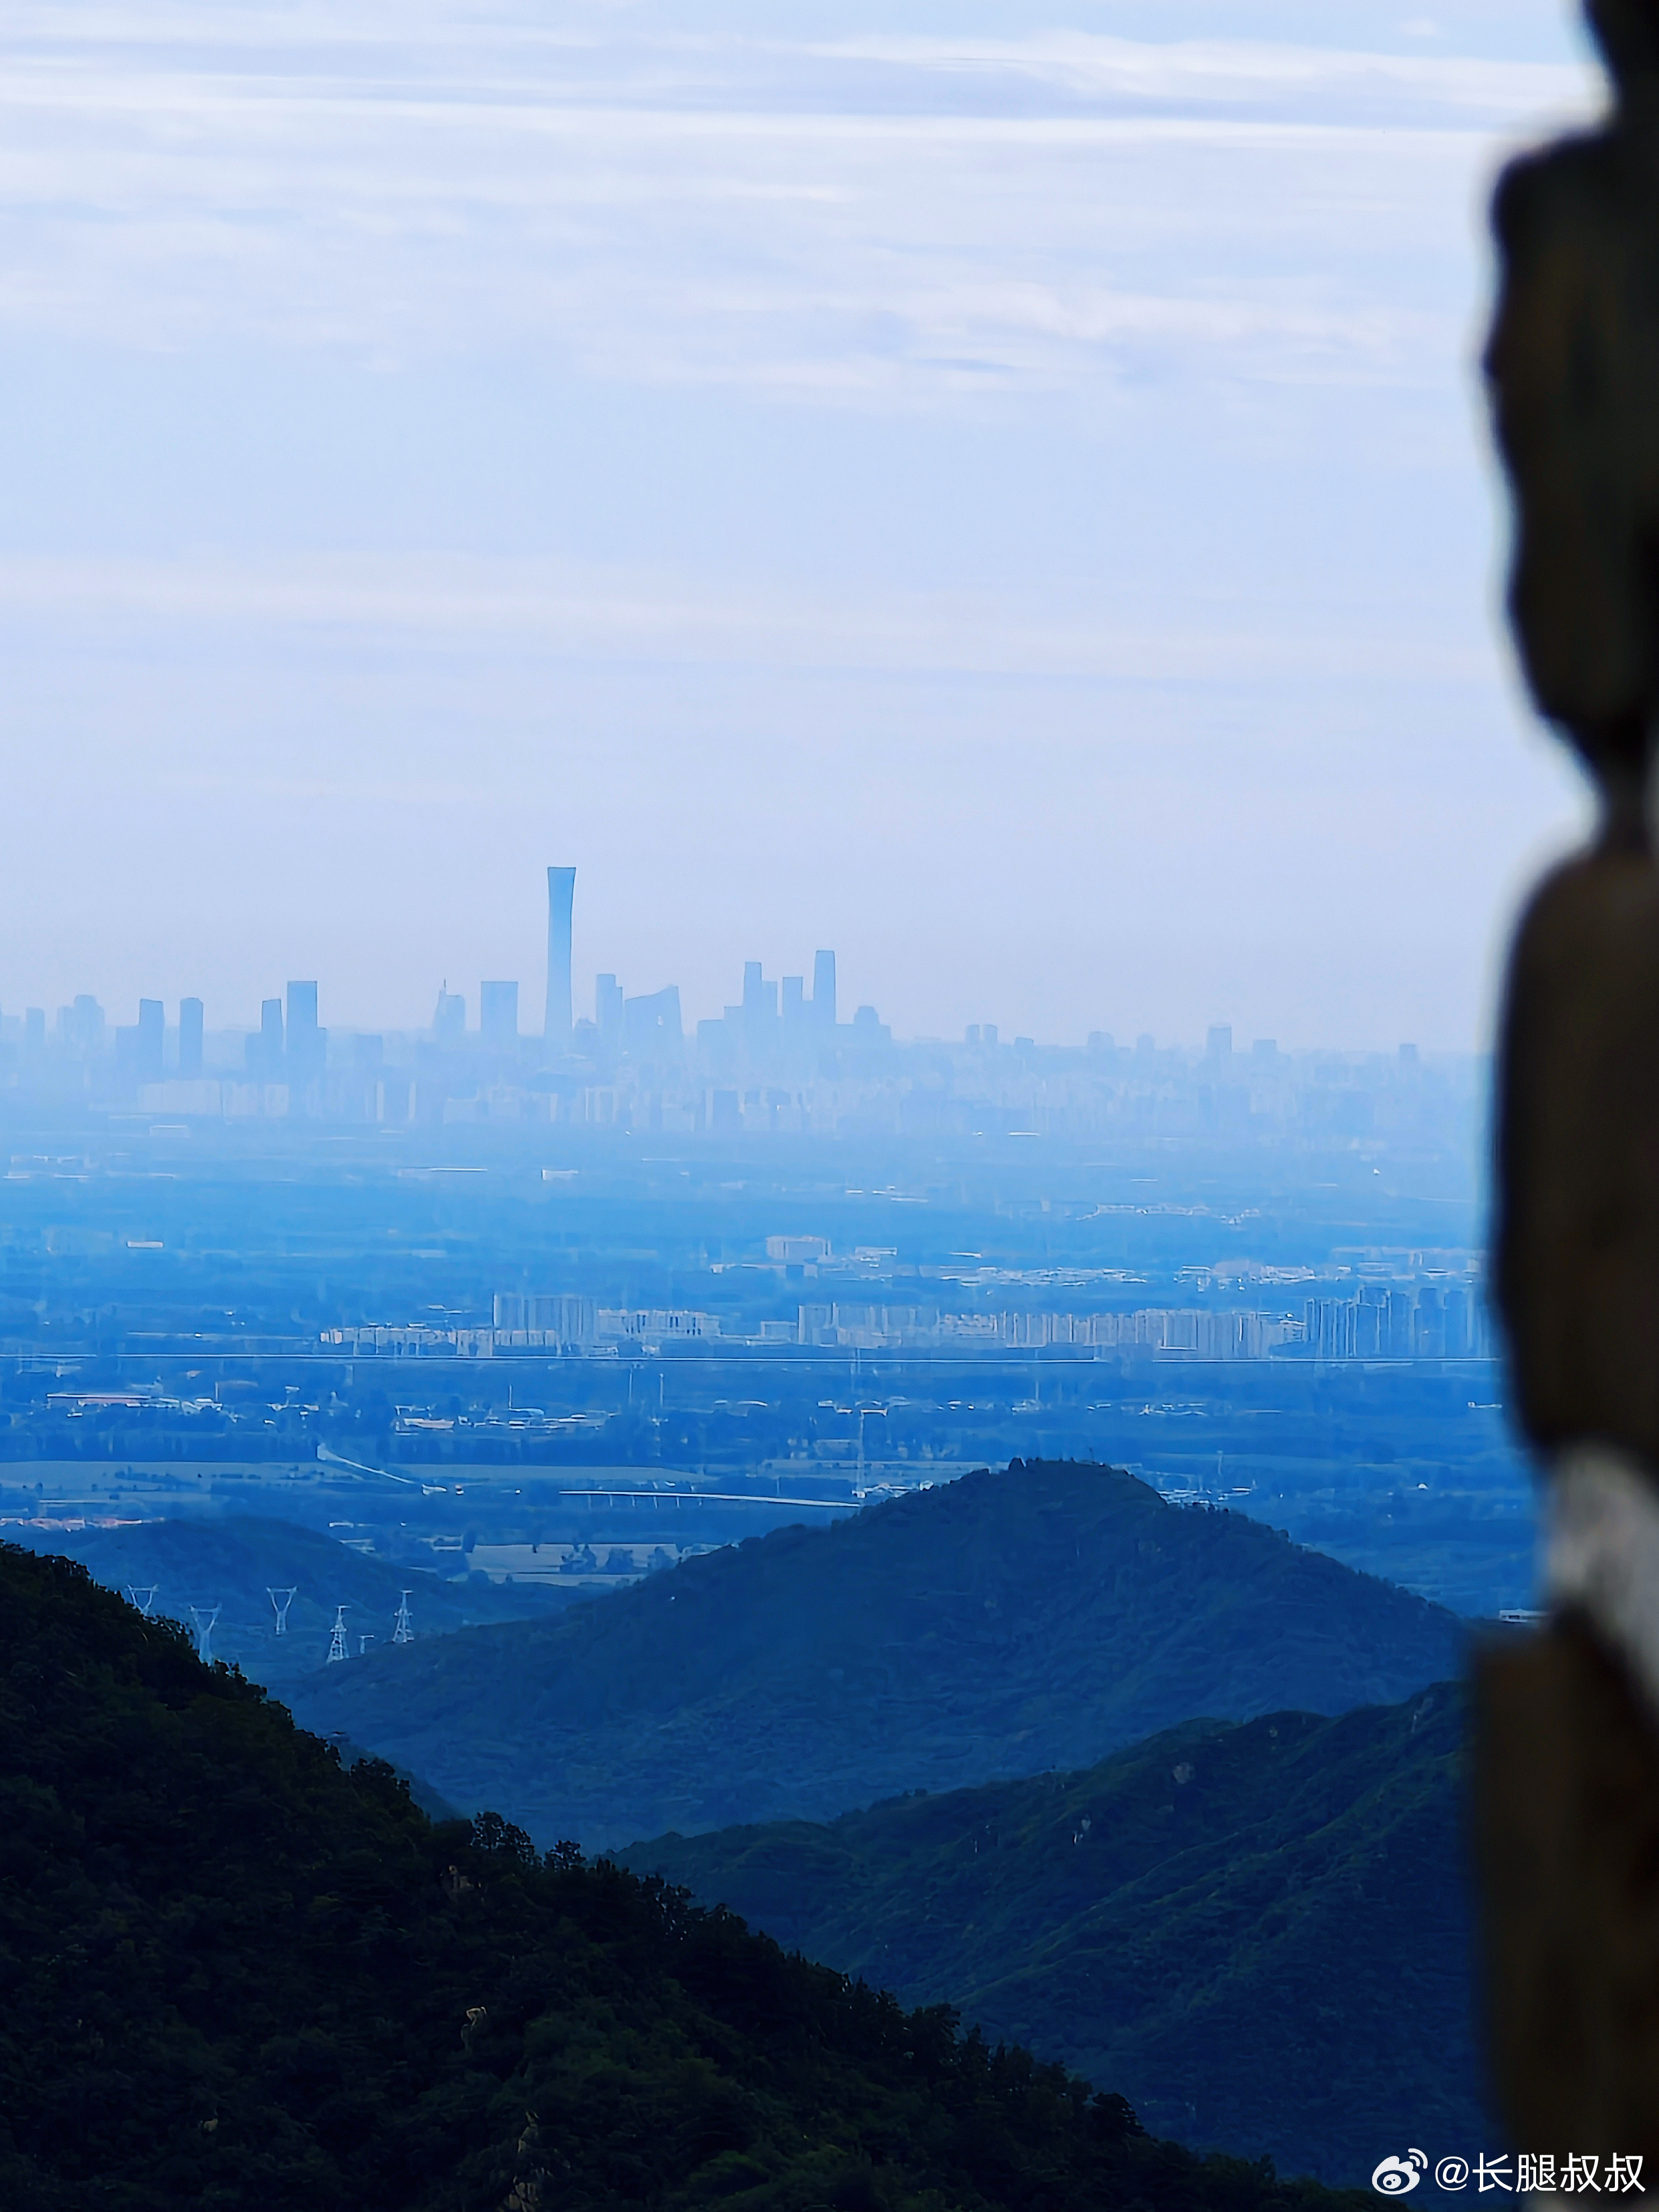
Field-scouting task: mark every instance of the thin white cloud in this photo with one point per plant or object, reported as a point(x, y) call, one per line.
point(475, 606)
point(1235, 73)
point(744, 210)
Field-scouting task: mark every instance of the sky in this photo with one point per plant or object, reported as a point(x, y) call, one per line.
point(1002, 491)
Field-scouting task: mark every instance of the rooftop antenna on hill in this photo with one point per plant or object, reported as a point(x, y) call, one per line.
point(402, 1629)
point(143, 1599)
point(337, 1643)
point(204, 1617)
point(281, 1599)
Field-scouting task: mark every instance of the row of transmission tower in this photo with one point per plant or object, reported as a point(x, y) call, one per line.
point(205, 1618)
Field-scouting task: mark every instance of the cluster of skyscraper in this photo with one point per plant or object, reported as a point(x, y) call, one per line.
point(291, 1045)
point(83, 1032)
point(1385, 1322)
point(651, 1027)
point(779, 1060)
point(295, 1050)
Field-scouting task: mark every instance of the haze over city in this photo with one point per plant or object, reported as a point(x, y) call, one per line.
point(783, 467)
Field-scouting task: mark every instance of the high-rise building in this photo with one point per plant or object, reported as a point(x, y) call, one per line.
point(34, 1031)
point(1219, 1044)
point(189, 1036)
point(308, 1044)
point(83, 1024)
point(569, 1318)
point(652, 1027)
point(560, 897)
point(449, 1016)
point(152, 1034)
point(608, 1009)
point(1431, 1330)
point(795, 1001)
point(265, 1047)
point(498, 1016)
point(760, 1014)
point(824, 989)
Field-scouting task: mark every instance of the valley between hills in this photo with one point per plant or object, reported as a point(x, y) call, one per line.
point(1153, 1794)
point(1258, 1932)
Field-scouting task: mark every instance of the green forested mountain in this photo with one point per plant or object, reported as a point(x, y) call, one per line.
point(233, 1563)
point(1258, 1933)
point(235, 1975)
point(988, 1628)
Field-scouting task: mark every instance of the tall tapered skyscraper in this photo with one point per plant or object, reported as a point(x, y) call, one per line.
point(561, 893)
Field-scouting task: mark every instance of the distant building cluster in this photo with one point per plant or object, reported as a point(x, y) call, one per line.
point(1382, 1322)
point(1426, 1324)
point(1206, 1334)
point(554, 1324)
point(780, 1060)
point(1408, 1322)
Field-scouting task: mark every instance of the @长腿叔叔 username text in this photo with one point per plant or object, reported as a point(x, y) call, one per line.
point(1519, 2173)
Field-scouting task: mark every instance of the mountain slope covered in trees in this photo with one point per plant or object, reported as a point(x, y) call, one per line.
point(235, 1975)
point(1259, 1932)
point(987, 1628)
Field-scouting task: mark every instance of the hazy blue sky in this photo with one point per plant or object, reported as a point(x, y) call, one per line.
point(997, 489)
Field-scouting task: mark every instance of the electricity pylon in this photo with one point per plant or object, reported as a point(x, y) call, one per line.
point(143, 1599)
point(337, 1643)
point(402, 1629)
point(281, 1599)
point(204, 1617)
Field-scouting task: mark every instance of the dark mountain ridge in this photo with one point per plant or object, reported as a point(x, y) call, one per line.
point(987, 1628)
point(236, 1975)
point(1258, 1931)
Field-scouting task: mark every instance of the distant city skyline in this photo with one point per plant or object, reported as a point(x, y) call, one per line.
point(492, 1011)
point(1000, 493)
